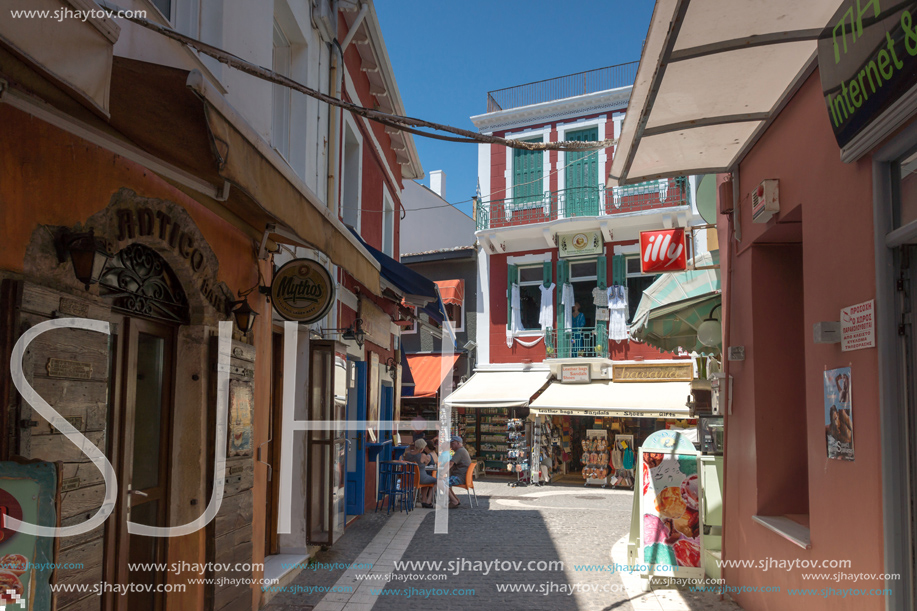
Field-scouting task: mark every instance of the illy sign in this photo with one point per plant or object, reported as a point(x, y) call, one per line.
point(663, 251)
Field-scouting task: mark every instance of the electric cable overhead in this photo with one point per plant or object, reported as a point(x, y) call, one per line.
point(407, 124)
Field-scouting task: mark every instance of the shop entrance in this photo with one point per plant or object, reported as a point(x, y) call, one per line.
point(143, 411)
point(356, 443)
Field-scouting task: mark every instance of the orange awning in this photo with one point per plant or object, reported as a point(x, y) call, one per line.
point(451, 291)
point(427, 371)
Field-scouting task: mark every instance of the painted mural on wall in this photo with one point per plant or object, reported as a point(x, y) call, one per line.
point(670, 509)
point(838, 414)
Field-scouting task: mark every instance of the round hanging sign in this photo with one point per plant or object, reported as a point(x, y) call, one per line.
point(302, 291)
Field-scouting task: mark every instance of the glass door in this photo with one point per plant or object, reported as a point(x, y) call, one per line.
point(326, 449)
point(146, 375)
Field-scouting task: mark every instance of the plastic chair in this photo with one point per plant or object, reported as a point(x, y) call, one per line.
point(418, 486)
point(469, 483)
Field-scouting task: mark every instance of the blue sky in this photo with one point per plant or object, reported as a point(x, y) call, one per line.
point(447, 54)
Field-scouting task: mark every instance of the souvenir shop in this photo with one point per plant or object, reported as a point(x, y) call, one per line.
point(590, 421)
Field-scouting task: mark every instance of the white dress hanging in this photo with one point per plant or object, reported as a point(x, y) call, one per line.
point(567, 299)
point(617, 313)
point(546, 314)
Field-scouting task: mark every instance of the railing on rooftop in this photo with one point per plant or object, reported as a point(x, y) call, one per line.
point(591, 81)
point(581, 342)
point(581, 202)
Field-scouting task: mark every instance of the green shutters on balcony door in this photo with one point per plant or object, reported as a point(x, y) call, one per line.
point(512, 277)
point(581, 176)
point(601, 326)
point(527, 175)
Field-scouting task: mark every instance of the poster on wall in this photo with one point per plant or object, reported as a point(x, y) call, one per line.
point(241, 400)
point(28, 492)
point(839, 413)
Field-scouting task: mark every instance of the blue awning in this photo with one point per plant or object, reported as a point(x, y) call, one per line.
point(417, 288)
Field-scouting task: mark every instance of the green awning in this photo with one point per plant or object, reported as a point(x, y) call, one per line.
point(672, 308)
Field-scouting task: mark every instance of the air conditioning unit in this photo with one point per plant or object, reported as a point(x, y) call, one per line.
point(765, 201)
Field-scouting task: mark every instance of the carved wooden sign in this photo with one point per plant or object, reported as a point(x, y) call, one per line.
point(72, 307)
point(61, 368)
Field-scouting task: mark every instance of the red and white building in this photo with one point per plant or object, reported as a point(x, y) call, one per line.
point(546, 218)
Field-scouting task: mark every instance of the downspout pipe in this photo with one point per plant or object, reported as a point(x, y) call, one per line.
point(336, 87)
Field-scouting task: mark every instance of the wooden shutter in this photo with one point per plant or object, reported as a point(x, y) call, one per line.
point(512, 277)
point(563, 275)
point(527, 174)
point(581, 176)
point(547, 275)
point(618, 269)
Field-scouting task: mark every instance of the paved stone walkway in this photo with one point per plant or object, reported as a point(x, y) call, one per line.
point(541, 537)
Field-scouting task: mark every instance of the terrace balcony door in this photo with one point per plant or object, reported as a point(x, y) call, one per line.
point(581, 176)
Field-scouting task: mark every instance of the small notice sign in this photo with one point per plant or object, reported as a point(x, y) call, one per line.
point(858, 326)
point(575, 374)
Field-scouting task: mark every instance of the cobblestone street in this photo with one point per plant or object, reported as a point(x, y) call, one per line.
point(564, 527)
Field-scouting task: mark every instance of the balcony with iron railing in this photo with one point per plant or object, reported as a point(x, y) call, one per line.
point(582, 342)
point(562, 87)
point(579, 202)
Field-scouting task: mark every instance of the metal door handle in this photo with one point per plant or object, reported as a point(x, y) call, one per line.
point(140, 492)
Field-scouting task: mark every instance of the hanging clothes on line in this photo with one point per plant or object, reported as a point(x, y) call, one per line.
point(617, 313)
point(546, 315)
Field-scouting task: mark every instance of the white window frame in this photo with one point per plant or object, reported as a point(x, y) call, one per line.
point(350, 124)
point(562, 128)
point(410, 331)
point(545, 134)
point(281, 97)
point(540, 282)
point(388, 217)
point(593, 277)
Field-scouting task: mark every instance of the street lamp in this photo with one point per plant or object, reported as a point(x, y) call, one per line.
point(710, 332)
point(244, 315)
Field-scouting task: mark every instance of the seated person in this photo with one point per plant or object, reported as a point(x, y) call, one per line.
point(459, 468)
point(415, 454)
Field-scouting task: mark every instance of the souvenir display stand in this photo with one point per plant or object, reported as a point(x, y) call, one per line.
point(595, 457)
point(540, 434)
point(517, 433)
point(666, 523)
point(623, 461)
point(491, 437)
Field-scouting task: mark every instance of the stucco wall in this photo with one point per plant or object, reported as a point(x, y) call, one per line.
point(826, 207)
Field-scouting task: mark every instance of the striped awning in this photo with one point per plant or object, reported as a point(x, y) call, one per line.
point(451, 291)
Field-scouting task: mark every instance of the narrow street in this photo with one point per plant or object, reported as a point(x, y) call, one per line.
point(567, 526)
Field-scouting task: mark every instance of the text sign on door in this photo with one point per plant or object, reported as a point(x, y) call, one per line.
point(663, 251)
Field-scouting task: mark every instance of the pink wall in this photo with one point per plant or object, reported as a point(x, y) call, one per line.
point(827, 208)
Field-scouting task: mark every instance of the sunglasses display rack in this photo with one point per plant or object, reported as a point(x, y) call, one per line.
point(518, 453)
point(595, 457)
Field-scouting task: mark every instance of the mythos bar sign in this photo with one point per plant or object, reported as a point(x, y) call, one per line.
point(302, 291)
point(866, 58)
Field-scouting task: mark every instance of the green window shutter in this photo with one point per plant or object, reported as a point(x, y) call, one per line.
point(601, 326)
point(527, 174)
point(581, 176)
point(546, 274)
point(512, 277)
point(601, 272)
point(618, 269)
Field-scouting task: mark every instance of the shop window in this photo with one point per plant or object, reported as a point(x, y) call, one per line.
point(636, 282)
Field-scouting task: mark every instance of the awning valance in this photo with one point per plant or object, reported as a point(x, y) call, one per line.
point(615, 399)
point(428, 372)
point(451, 291)
point(178, 117)
point(498, 389)
point(712, 75)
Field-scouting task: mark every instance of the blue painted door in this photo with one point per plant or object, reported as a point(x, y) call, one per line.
point(388, 415)
point(356, 448)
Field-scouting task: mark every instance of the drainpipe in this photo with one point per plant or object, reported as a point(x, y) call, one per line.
point(336, 87)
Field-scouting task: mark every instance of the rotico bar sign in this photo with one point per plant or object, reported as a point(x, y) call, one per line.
point(302, 291)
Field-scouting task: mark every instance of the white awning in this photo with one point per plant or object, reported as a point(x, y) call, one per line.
point(712, 76)
point(498, 389)
point(620, 399)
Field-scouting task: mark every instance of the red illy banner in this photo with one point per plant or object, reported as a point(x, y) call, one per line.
point(663, 251)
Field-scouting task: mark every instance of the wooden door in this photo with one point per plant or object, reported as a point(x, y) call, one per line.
point(270, 452)
point(146, 386)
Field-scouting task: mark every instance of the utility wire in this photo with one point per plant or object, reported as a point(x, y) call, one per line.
point(407, 124)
